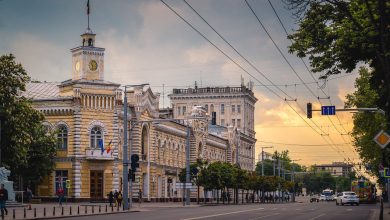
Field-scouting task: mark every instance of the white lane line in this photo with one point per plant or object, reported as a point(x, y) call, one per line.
point(317, 216)
point(265, 216)
point(228, 213)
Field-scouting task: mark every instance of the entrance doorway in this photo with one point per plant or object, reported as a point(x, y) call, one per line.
point(96, 185)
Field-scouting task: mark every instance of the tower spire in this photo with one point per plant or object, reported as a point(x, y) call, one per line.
point(88, 11)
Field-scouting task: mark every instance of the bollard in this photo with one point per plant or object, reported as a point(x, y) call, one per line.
point(44, 211)
point(35, 212)
point(62, 210)
point(78, 210)
point(70, 210)
point(24, 212)
point(93, 209)
point(117, 208)
point(54, 211)
point(106, 208)
point(85, 210)
point(100, 209)
point(112, 208)
point(13, 214)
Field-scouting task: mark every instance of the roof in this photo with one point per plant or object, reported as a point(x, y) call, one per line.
point(39, 90)
point(87, 81)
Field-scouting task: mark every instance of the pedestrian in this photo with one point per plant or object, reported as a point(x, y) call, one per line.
point(120, 198)
point(3, 200)
point(29, 194)
point(110, 198)
point(116, 197)
point(60, 194)
point(139, 197)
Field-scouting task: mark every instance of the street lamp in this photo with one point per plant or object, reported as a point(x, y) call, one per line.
point(262, 160)
point(125, 159)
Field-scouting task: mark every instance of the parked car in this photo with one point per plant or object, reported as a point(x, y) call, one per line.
point(347, 198)
point(322, 197)
point(314, 198)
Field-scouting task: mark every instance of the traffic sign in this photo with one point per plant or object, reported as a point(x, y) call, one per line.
point(386, 173)
point(328, 110)
point(382, 139)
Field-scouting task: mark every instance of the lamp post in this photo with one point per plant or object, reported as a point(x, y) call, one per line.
point(125, 178)
point(262, 160)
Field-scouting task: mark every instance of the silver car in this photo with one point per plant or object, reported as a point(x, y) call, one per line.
point(347, 198)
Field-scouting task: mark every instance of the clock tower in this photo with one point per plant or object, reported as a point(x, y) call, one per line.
point(88, 60)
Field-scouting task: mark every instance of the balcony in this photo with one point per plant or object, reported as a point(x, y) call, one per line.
point(96, 154)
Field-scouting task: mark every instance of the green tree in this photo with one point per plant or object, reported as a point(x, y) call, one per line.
point(369, 123)
point(268, 167)
point(28, 148)
point(338, 35)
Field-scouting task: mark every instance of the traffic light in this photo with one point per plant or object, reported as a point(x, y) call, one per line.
point(309, 110)
point(134, 162)
point(131, 175)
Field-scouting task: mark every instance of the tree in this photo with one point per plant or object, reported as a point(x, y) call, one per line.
point(369, 123)
point(268, 167)
point(24, 140)
point(338, 35)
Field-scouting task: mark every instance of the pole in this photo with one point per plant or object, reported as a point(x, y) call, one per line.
point(262, 161)
point(188, 165)
point(131, 153)
point(293, 180)
point(125, 162)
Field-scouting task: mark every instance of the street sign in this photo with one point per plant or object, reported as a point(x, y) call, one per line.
point(183, 185)
point(386, 173)
point(328, 110)
point(382, 139)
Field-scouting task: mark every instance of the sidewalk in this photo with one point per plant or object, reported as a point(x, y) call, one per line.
point(53, 210)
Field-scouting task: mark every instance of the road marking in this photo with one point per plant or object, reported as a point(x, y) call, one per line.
point(317, 216)
point(228, 213)
point(265, 216)
point(349, 209)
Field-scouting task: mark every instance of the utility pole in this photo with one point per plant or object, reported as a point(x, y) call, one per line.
point(278, 176)
point(125, 177)
point(262, 160)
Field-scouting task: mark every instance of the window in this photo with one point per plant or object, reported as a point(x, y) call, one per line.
point(184, 110)
point(222, 109)
point(62, 137)
point(233, 122)
point(238, 123)
point(207, 108)
point(178, 110)
point(96, 138)
point(222, 122)
point(60, 180)
point(238, 108)
point(233, 108)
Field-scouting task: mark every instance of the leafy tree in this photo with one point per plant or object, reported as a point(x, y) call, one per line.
point(369, 123)
point(268, 167)
point(338, 35)
point(29, 150)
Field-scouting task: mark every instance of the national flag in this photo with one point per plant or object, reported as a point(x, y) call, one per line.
point(101, 146)
point(109, 147)
point(88, 9)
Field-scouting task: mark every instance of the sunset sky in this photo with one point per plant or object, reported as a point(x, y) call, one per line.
point(146, 42)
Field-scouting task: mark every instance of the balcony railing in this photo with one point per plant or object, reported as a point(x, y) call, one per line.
point(97, 154)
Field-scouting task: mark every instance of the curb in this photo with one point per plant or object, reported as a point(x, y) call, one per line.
point(78, 216)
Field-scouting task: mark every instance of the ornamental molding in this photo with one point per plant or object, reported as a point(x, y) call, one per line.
point(99, 124)
point(63, 123)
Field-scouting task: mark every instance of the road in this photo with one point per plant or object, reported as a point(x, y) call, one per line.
point(290, 211)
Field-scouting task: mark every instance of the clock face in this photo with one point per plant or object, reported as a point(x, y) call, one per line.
point(93, 65)
point(77, 66)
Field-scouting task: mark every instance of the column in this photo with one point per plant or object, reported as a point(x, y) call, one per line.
point(76, 165)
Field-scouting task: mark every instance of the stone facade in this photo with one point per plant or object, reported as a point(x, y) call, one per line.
point(87, 114)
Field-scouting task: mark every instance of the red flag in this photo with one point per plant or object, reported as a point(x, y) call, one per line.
point(88, 10)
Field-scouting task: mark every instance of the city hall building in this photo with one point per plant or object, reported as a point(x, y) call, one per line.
point(86, 112)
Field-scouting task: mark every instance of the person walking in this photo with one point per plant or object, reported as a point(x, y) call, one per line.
point(116, 197)
point(110, 198)
point(3, 200)
point(60, 194)
point(120, 198)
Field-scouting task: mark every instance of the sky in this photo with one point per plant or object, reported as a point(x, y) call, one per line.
point(145, 41)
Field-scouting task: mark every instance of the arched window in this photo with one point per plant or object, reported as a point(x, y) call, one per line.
point(206, 108)
point(62, 137)
point(96, 137)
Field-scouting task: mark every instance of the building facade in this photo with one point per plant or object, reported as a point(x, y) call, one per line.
point(86, 112)
point(336, 168)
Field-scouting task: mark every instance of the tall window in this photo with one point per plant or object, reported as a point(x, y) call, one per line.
point(207, 108)
point(96, 137)
point(233, 122)
point(233, 108)
point(222, 122)
point(62, 137)
point(222, 109)
point(238, 108)
point(238, 123)
point(184, 110)
point(178, 110)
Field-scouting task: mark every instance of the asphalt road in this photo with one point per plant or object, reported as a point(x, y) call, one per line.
point(289, 211)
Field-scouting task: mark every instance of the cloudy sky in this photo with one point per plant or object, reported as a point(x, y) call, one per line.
point(146, 42)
